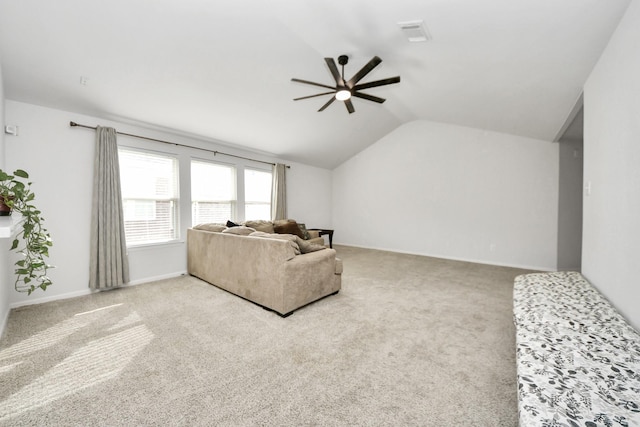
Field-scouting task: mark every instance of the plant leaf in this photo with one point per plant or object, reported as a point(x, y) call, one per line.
point(21, 173)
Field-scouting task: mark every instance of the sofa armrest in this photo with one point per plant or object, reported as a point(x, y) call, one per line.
point(310, 260)
point(309, 277)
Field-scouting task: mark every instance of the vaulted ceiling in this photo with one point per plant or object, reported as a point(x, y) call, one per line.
point(222, 70)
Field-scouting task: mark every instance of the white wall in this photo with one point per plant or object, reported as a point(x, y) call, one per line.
point(313, 185)
point(4, 243)
point(60, 161)
point(611, 229)
point(452, 192)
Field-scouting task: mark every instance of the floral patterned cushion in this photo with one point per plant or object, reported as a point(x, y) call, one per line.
point(578, 359)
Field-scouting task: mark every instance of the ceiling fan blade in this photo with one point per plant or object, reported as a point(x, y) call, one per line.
point(349, 106)
point(329, 102)
point(313, 96)
point(382, 82)
point(364, 71)
point(334, 71)
point(312, 83)
point(368, 97)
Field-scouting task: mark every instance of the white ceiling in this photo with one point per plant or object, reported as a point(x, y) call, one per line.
point(222, 70)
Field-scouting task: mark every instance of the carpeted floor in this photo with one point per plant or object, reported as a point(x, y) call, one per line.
point(409, 340)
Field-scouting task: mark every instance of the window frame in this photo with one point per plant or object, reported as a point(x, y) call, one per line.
point(175, 201)
point(234, 188)
point(247, 202)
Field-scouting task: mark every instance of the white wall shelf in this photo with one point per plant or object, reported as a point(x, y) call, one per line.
point(8, 225)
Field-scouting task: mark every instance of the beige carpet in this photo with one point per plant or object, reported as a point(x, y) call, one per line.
point(409, 340)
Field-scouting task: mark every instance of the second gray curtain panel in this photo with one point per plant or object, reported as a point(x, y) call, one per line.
point(279, 192)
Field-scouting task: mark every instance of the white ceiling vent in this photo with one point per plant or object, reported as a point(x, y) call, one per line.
point(415, 31)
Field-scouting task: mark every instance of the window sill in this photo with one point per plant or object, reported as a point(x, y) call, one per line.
point(145, 246)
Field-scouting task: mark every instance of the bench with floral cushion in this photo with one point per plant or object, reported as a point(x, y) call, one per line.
point(578, 360)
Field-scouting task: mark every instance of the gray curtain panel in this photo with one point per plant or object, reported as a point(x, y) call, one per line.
point(279, 192)
point(109, 266)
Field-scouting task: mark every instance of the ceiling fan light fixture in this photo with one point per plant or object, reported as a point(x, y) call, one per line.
point(343, 94)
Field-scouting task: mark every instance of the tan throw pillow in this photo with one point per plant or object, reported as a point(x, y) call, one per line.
point(288, 228)
point(303, 228)
point(216, 228)
point(306, 247)
point(240, 230)
point(288, 237)
point(282, 221)
point(261, 225)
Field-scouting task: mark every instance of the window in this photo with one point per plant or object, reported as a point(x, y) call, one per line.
point(257, 194)
point(213, 195)
point(150, 196)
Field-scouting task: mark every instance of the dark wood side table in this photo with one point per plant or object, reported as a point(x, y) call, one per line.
point(322, 232)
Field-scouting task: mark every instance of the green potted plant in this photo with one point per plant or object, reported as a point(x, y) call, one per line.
point(31, 269)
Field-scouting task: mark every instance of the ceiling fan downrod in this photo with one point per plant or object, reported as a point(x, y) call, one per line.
point(343, 60)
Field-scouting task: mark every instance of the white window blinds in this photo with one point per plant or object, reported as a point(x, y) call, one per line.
point(150, 196)
point(213, 195)
point(257, 194)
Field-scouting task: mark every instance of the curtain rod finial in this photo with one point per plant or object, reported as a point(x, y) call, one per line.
point(73, 124)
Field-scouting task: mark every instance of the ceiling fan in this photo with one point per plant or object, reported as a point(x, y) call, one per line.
point(345, 89)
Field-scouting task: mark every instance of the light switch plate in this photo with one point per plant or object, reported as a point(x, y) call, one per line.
point(11, 130)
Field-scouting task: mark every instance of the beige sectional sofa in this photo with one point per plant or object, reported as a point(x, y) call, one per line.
point(264, 269)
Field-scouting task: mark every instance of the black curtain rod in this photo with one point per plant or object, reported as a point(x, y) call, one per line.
point(215, 152)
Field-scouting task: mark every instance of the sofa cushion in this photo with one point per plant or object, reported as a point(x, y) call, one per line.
point(299, 245)
point(303, 228)
point(216, 228)
point(240, 230)
point(289, 237)
point(306, 246)
point(317, 241)
point(261, 225)
point(289, 227)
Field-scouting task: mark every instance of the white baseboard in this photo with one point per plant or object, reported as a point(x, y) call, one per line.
point(156, 278)
point(88, 291)
point(42, 300)
point(475, 261)
point(3, 324)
